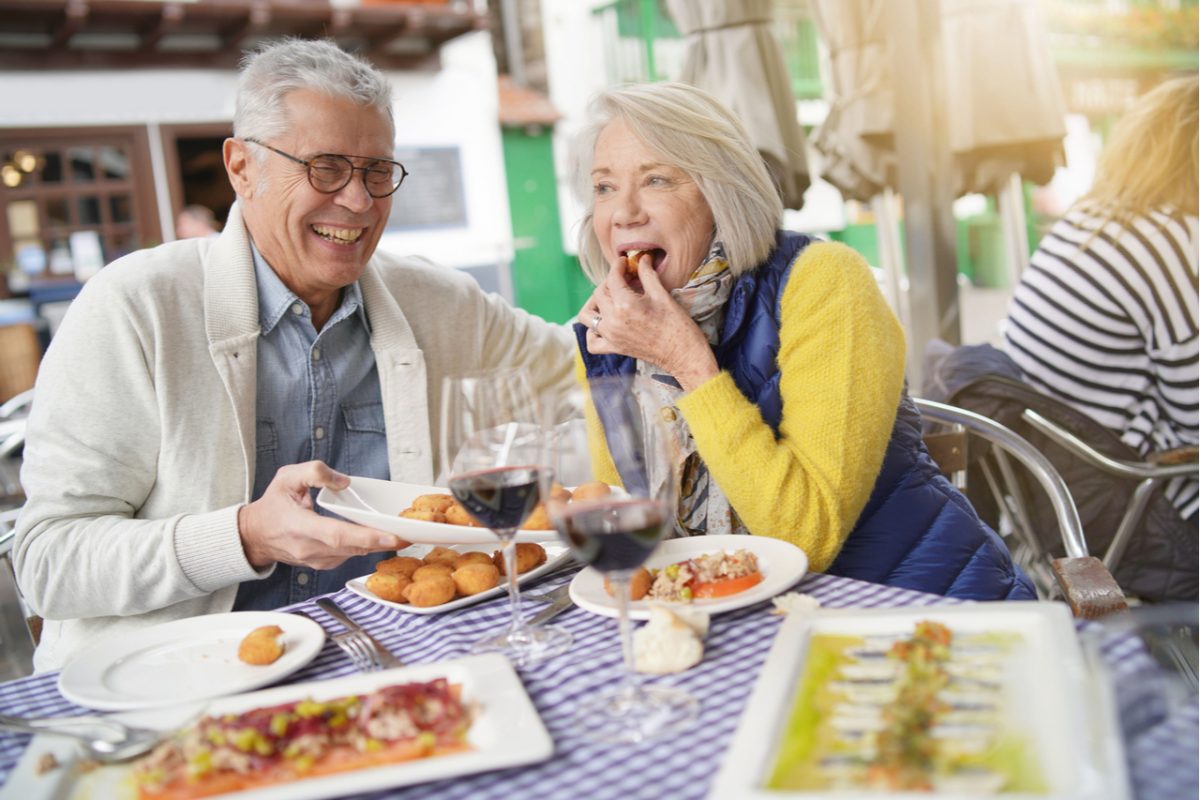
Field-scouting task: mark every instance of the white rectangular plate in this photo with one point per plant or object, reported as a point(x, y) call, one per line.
point(1047, 688)
point(389, 498)
point(556, 556)
point(506, 732)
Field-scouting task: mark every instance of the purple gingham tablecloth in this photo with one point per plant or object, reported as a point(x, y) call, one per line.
point(1164, 757)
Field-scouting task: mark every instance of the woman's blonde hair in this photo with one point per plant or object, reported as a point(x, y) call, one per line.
point(688, 129)
point(1150, 160)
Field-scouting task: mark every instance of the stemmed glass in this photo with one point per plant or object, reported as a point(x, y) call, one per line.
point(615, 534)
point(493, 450)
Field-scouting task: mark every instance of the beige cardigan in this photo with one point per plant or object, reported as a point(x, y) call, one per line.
point(141, 442)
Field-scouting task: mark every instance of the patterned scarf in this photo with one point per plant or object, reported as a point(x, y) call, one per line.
point(703, 508)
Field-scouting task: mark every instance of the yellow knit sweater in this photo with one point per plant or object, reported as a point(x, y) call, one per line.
point(841, 360)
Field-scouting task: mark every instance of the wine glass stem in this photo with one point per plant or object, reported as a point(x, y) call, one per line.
point(631, 686)
point(509, 548)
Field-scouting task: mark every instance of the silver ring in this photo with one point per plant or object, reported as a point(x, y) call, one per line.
point(596, 323)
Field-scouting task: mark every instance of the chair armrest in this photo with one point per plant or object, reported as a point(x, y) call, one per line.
point(1088, 587)
point(1180, 455)
point(1138, 470)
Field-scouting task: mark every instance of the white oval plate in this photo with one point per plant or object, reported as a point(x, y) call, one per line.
point(781, 563)
point(389, 498)
point(183, 661)
point(556, 556)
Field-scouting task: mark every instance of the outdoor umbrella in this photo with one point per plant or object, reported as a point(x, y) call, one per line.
point(1003, 106)
point(856, 138)
point(732, 53)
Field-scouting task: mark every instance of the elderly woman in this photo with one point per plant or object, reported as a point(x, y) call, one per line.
point(777, 361)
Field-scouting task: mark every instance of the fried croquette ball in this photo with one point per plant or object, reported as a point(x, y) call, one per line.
point(592, 490)
point(474, 578)
point(431, 590)
point(639, 584)
point(388, 586)
point(631, 262)
point(474, 557)
point(423, 515)
point(261, 646)
point(559, 492)
point(529, 556)
point(539, 520)
point(433, 502)
point(399, 565)
point(457, 515)
point(442, 555)
point(427, 570)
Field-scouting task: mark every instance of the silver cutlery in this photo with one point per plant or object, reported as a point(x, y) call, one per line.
point(364, 650)
point(558, 600)
point(105, 740)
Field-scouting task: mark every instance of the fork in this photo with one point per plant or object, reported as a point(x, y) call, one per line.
point(358, 499)
point(367, 654)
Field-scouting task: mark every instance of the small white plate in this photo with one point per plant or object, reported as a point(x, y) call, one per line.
point(389, 498)
point(183, 661)
point(556, 556)
point(1049, 696)
point(507, 732)
point(781, 563)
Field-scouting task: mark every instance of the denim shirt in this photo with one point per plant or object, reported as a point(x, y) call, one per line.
point(318, 398)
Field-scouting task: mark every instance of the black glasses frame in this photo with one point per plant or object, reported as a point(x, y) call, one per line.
point(308, 167)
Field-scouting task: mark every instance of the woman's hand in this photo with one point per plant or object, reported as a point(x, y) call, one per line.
point(648, 325)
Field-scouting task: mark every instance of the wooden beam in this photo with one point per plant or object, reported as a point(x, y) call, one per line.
point(74, 17)
point(168, 22)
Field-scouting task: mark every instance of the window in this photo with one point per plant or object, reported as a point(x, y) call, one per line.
point(83, 186)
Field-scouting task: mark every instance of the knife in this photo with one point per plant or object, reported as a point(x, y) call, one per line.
point(553, 610)
point(331, 608)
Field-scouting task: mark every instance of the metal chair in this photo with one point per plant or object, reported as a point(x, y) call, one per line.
point(1149, 548)
point(1082, 580)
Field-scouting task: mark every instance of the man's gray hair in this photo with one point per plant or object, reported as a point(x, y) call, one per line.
point(689, 129)
point(286, 65)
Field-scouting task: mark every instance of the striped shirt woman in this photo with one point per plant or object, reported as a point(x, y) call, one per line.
point(1105, 318)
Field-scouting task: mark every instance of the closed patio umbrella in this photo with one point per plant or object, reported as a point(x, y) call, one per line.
point(1003, 105)
point(732, 53)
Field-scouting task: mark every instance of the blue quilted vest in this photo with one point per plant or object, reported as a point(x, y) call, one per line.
point(916, 531)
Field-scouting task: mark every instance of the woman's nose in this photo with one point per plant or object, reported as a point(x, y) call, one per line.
point(629, 210)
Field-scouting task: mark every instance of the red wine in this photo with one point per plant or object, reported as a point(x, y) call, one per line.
point(615, 536)
point(498, 498)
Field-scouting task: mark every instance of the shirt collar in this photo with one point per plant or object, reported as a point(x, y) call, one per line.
point(275, 299)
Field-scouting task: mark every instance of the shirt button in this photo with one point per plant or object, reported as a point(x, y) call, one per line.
point(302, 579)
point(316, 354)
point(667, 413)
point(319, 433)
point(297, 309)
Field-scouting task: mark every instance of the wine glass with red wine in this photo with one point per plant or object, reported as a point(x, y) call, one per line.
point(494, 452)
point(622, 468)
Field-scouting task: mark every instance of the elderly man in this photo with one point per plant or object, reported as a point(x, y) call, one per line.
point(199, 391)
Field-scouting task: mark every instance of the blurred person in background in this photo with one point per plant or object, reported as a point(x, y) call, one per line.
point(195, 220)
point(1105, 317)
point(244, 371)
point(779, 366)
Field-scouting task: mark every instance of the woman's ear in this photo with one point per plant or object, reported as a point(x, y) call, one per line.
point(237, 166)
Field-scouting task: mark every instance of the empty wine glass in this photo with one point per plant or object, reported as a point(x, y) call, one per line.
point(614, 533)
point(493, 450)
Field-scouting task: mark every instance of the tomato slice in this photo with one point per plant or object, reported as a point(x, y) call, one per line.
point(726, 586)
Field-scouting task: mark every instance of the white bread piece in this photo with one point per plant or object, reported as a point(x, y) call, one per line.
point(667, 643)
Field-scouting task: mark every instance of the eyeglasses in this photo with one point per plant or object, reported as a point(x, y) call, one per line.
point(331, 172)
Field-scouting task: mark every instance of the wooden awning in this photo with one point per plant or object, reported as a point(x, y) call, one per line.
point(208, 34)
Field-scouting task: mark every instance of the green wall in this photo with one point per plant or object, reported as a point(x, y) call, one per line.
point(546, 280)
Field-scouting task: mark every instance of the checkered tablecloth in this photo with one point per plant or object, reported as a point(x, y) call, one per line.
point(1164, 761)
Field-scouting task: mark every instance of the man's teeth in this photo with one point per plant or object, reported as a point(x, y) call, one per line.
point(340, 235)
